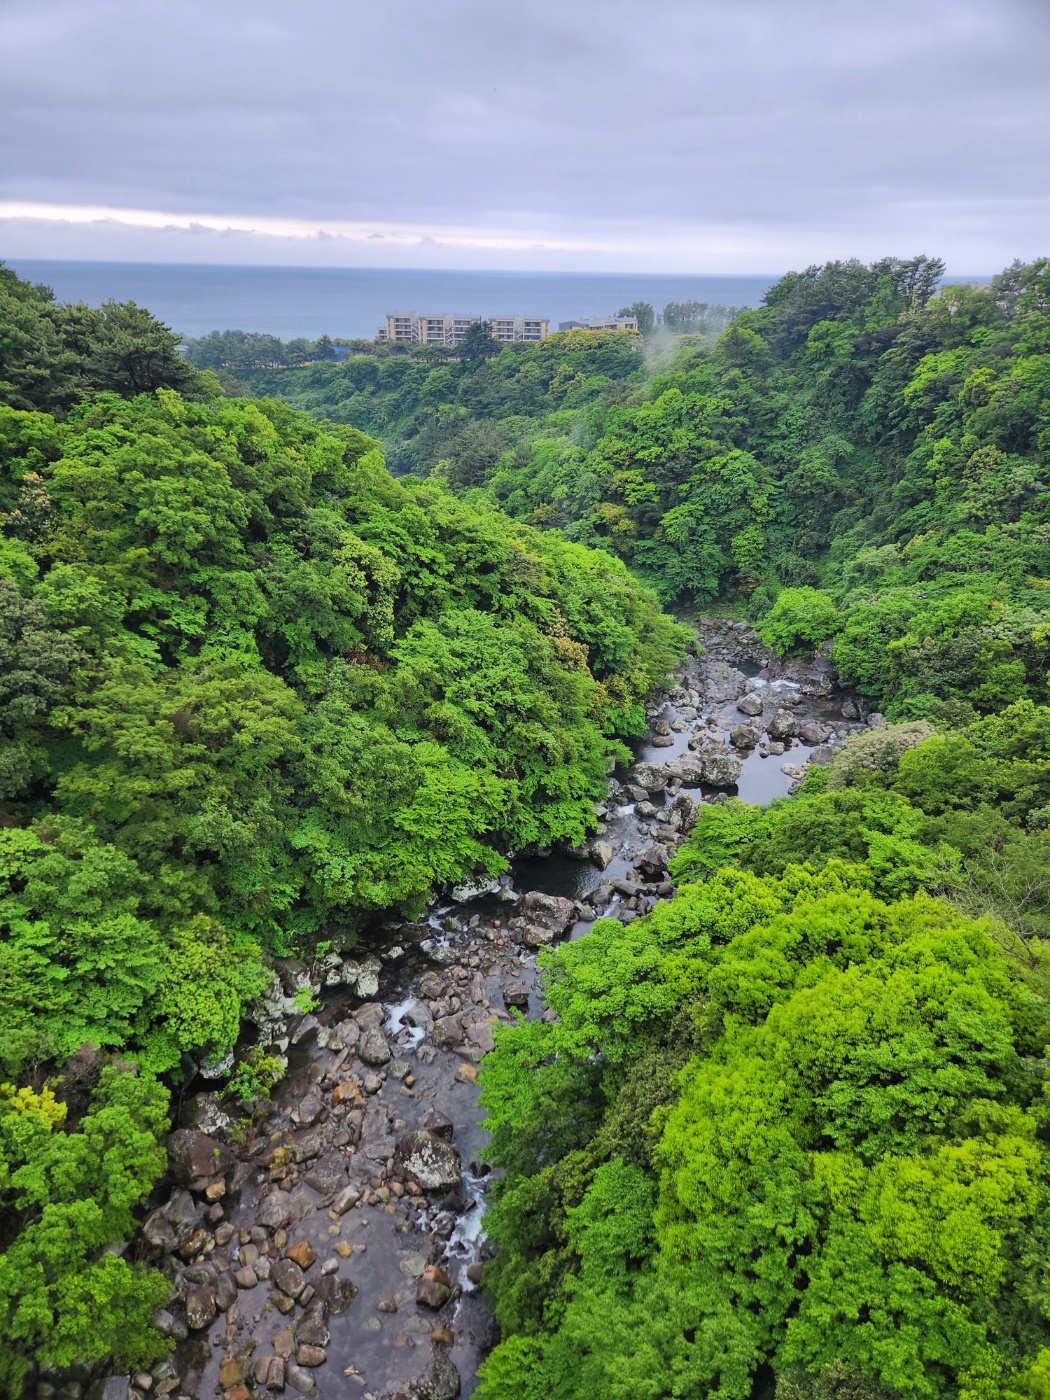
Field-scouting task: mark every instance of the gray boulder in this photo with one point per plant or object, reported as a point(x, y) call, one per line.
point(373, 1048)
point(192, 1155)
point(721, 770)
point(749, 705)
point(783, 725)
point(431, 1161)
point(601, 853)
point(200, 1306)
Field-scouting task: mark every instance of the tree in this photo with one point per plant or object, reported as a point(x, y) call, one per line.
point(643, 312)
point(478, 343)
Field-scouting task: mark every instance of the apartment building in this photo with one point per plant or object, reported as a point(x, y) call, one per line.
point(409, 328)
point(601, 323)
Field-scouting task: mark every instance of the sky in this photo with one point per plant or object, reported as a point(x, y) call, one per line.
point(704, 136)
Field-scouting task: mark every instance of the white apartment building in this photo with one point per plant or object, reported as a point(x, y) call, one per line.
point(601, 323)
point(409, 328)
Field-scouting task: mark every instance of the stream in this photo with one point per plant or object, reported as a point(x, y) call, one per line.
point(382, 1301)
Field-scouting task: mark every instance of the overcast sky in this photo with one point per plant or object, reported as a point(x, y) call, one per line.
point(659, 135)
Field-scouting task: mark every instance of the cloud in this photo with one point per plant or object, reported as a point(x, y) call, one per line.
point(699, 135)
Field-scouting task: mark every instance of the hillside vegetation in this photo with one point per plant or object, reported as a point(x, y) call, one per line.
point(253, 691)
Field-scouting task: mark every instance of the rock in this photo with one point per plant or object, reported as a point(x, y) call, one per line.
point(311, 1144)
point(225, 1290)
point(366, 983)
point(246, 1277)
point(302, 1253)
point(232, 1371)
point(284, 1343)
point(876, 721)
point(474, 889)
point(308, 1355)
point(822, 754)
point(371, 1014)
point(346, 1091)
point(447, 1030)
point(435, 1287)
point(743, 737)
point(205, 1114)
point(336, 1293)
point(548, 911)
point(850, 710)
point(749, 705)
point(783, 725)
point(438, 1123)
point(517, 994)
point(373, 1048)
point(275, 1376)
point(310, 1107)
point(653, 860)
point(275, 1210)
point(300, 1379)
point(281, 1301)
point(200, 1306)
point(345, 1200)
point(413, 1265)
point(328, 1174)
point(476, 1272)
point(312, 1328)
point(811, 732)
point(215, 1069)
point(431, 1161)
point(142, 1381)
point(480, 1034)
point(288, 1277)
point(662, 741)
point(466, 1074)
point(306, 1026)
point(112, 1388)
point(682, 813)
point(601, 854)
point(688, 769)
point(440, 1381)
point(650, 776)
point(775, 749)
point(720, 770)
point(174, 1221)
point(192, 1155)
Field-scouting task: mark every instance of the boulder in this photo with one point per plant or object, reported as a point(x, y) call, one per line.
point(310, 1145)
point(438, 1123)
point(447, 1030)
point(721, 770)
point(601, 853)
point(681, 814)
point(311, 1106)
point(431, 1161)
point(373, 1048)
point(435, 1287)
point(440, 1381)
point(302, 1253)
point(783, 725)
point(174, 1221)
point(192, 1155)
point(225, 1291)
point(336, 1293)
point(275, 1210)
point(312, 1327)
point(749, 705)
point(288, 1277)
point(812, 732)
point(328, 1174)
point(112, 1388)
point(653, 860)
point(650, 776)
point(474, 889)
point(200, 1306)
point(743, 737)
point(822, 754)
point(548, 911)
point(688, 769)
point(516, 994)
point(300, 1379)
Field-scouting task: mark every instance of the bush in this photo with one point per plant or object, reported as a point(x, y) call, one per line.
point(799, 620)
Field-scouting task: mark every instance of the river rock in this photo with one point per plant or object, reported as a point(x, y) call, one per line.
point(312, 1327)
point(373, 1048)
point(516, 995)
point(546, 917)
point(192, 1155)
point(743, 737)
point(876, 721)
point(200, 1306)
point(288, 1277)
point(311, 1106)
point(681, 813)
point(650, 776)
point(447, 1030)
point(275, 1210)
point(336, 1293)
point(225, 1290)
point(431, 1161)
point(173, 1222)
point(438, 1123)
point(310, 1145)
point(112, 1388)
point(601, 853)
point(822, 754)
point(300, 1379)
point(783, 725)
point(440, 1381)
point(474, 889)
point(749, 704)
point(653, 860)
point(435, 1287)
point(721, 770)
point(328, 1174)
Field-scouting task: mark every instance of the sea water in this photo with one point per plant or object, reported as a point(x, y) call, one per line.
point(349, 302)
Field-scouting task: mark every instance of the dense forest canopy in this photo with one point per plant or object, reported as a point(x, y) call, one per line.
point(253, 690)
point(787, 1135)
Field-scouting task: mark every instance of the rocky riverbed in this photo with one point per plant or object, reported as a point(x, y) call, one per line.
point(331, 1241)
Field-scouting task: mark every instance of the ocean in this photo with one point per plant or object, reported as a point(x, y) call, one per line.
point(347, 302)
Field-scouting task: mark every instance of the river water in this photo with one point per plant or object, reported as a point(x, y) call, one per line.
point(445, 985)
